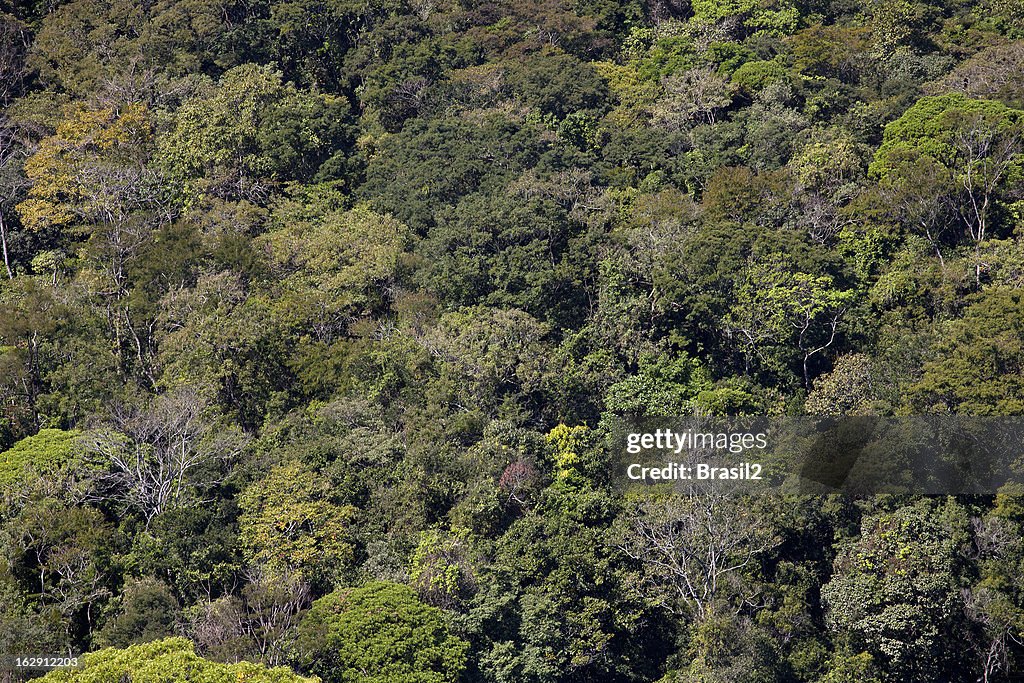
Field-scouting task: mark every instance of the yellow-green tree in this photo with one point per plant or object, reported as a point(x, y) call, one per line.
point(92, 169)
point(289, 523)
point(172, 659)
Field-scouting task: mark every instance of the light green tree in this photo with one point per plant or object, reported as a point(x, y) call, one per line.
point(172, 659)
point(776, 16)
point(379, 633)
point(949, 159)
point(289, 523)
point(778, 309)
point(248, 131)
point(334, 265)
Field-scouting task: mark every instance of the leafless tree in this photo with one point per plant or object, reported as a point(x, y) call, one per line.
point(693, 549)
point(694, 544)
point(692, 97)
point(274, 604)
point(986, 155)
point(983, 607)
point(993, 71)
point(259, 624)
point(994, 538)
point(666, 10)
point(517, 478)
point(164, 453)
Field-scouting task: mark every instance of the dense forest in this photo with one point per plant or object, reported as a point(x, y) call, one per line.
point(314, 313)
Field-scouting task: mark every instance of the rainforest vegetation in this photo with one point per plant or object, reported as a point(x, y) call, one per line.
point(313, 315)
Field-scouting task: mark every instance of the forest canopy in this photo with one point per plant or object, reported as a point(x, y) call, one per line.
point(314, 315)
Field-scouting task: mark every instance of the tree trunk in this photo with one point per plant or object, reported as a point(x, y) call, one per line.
point(3, 244)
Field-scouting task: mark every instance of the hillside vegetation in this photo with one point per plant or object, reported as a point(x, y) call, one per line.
point(313, 314)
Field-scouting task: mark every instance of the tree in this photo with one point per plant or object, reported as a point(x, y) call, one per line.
point(14, 149)
point(899, 24)
point(693, 548)
point(851, 668)
point(66, 549)
point(551, 603)
point(147, 611)
point(166, 453)
point(492, 353)
point(14, 43)
point(216, 339)
point(93, 189)
point(850, 388)
point(694, 96)
point(975, 366)
point(663, 386)
point(995, 73)
point(558, 84)
point(778, 16)
point(1008, 14)
point(440, 570)
point(30, 318)
point(777, 307)
point(437, 163)
point(379, 633)
point(250, 131)
point(897, 589)
point(47, 465)
point(116, 53)
point(92, 170)
point(163, 660)
point(949, 157)
point(289, 524)
point(827, 170)
point(23, 627)
point(193, 549)
point(258, 624)
point(334, 266)
point(994, 604)
point(44, 454)
point(510, 252)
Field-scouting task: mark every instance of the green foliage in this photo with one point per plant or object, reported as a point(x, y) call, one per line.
point(754, 76)
point(976, 362)
point(663, 387)
point(898, 588)
point(851, 668)
point(249, 129)
point(43, 455)
point(439, 570)
point(550, 592)
point(559, 84)
point(776, 17)
point(930, 127)
point(288, 523)
point(492, 353)
point(379, 632)
point(332, 264)
point(149, 611)
point(777, 307)
point(172, 659)
point(380, 276)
